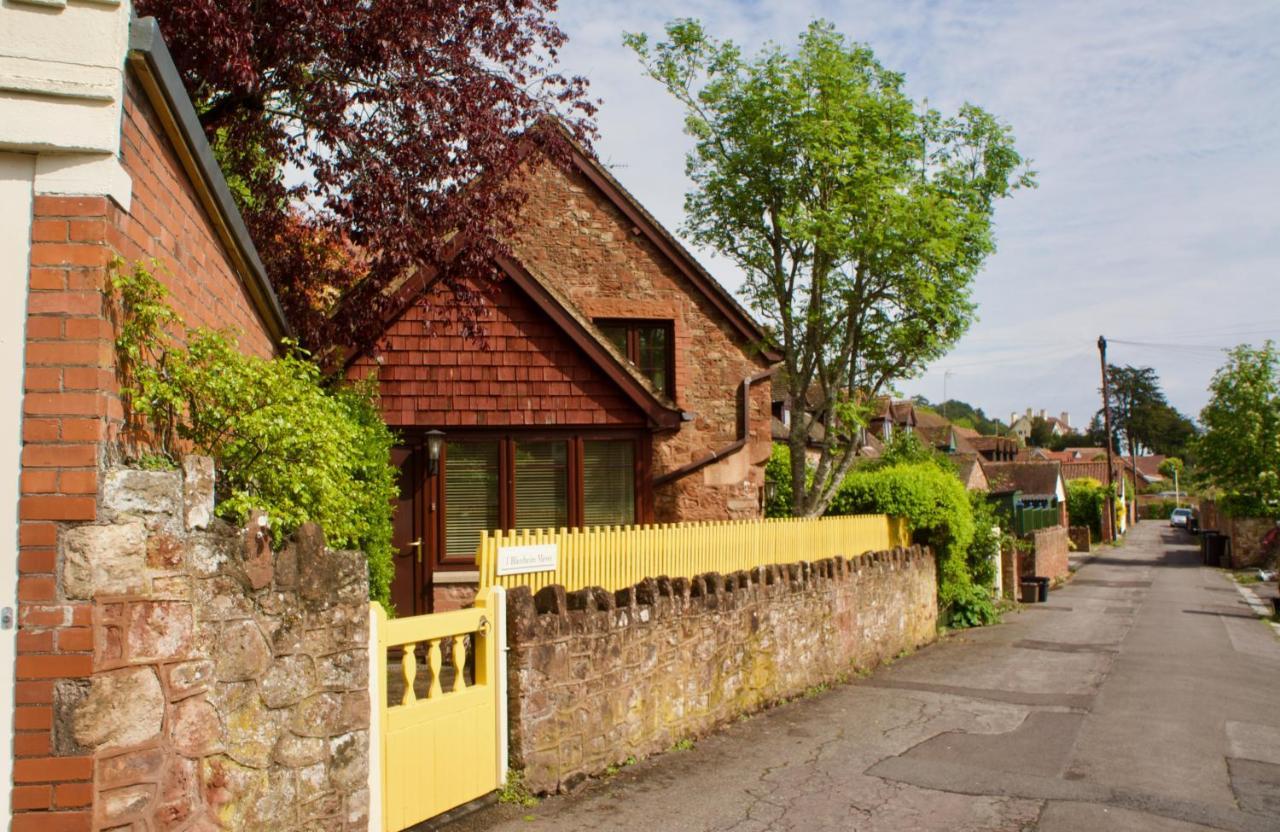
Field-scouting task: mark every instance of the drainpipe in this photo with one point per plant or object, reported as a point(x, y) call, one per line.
point(744, 418)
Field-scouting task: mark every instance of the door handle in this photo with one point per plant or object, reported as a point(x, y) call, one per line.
point(417, 545)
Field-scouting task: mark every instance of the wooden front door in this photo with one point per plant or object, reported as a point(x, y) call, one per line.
point(411, 590)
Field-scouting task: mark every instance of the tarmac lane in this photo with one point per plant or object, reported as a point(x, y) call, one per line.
point(1145, 695)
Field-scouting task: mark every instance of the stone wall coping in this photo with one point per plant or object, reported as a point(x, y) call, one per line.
point(710, 587)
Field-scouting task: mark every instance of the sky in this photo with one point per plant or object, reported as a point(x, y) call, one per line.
point(1154, 129)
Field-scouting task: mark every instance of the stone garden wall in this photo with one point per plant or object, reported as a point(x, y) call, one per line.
point(1246, 533)
point(229, 686)
point(597, 677)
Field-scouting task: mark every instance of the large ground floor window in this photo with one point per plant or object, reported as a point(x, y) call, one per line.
point(533, 482)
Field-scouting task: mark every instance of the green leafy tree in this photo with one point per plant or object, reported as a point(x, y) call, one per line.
point(777, 479)
point(858, 217)
point(1172, 467)
point(1041, 433)
point(1141, 417)
point(1239, 452)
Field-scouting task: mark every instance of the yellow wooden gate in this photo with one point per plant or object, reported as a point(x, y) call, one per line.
point(443, 735)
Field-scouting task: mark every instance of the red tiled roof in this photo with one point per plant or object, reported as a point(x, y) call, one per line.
point(1033, 479)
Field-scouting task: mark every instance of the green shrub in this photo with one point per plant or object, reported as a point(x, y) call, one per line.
point(777, 477)
point(940, 514)
point(285, 442)
point(1086, 500)
point(1158, 510)
point(986, 540)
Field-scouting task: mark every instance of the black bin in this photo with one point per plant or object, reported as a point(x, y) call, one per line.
point(1029, 590)
point(1216, 546)
point(1042, 589)
point(1205, 536)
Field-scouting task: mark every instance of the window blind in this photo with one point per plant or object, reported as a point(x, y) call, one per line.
point(608, 482)
point(471, 494)
point(542, 485)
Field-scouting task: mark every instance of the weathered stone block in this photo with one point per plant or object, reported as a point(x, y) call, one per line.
point(313, 782)
point(349, 760)
point(131, 491)
point(234, 792)
point(164, 551)
point(294, 751)
point(68, 694)
point(194, 728)
point(289, 681)
point(198, 480)
point(259, 562)
point(132, 767)
point(123, 708)
point(190, 677)
point(159, 630)
point(210, 554)
point(106, 560)
point(319, 715)
point(348, 670)
point(251, 729)
point(220, 598)
point(243, 652)
point(117, 805)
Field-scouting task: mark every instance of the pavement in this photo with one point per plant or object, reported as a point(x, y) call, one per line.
point(1145, 695)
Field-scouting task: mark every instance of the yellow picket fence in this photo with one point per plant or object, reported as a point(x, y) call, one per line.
point(614, 557)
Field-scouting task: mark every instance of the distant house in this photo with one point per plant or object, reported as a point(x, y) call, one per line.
point(892, 416)
point(1059, 425)
point(1038, 484)
point(1029, 485)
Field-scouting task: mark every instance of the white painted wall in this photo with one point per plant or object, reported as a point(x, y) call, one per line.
point(17, 177)
point(62, 65)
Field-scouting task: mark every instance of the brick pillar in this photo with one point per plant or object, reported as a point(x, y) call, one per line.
point(67, 403)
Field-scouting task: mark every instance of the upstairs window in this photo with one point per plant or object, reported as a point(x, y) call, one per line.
point(647, 345)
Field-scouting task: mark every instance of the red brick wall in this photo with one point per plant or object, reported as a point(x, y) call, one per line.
point(577, 238)
point(527, 373)
point(71, 411)
point(167, 222)
point(1051, 556)
point(68, 403)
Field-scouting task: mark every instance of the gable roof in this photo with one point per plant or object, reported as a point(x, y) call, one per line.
point(663, 240)
point(969, 469)
point(659, 409)
point(1033, 479)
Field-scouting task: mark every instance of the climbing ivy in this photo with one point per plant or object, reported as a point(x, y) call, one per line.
point(287, 440)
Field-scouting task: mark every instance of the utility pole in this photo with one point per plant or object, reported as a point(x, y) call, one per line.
point(945, 375)
point(1106, 425)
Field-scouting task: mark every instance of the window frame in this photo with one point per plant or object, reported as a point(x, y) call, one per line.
point(633, 325)
point(437, 486)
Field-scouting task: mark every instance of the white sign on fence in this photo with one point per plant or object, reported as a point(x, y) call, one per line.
point(520, 560)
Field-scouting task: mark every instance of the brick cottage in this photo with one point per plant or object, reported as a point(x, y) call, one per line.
point(618, 383)
point(103, 158)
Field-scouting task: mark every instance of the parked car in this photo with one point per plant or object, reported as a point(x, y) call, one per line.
point(1179, 517)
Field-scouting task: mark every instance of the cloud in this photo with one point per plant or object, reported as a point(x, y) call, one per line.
point(1154, 127)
